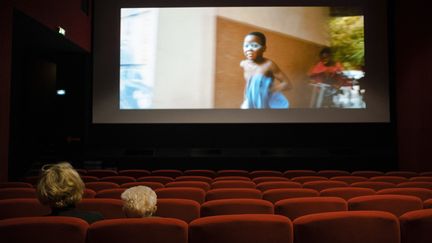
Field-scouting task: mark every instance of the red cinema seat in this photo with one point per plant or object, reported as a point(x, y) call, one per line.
point(118, 179)
point(274, 195)
point(236, 206)
point(81, 171)
point(183, 209)
point(196, 184)
point(169, 173)
point(15, 185)
point(245, 228)
point(232, 184)
point(347, 192)
point(134, 173)
point(194, 178)
point(89, 193)
point(226, 193)
point(416, 226)
point(395, 204)
point(406, 174)
point(152, 185)
point(349, 179)
point(138, 230)
point(427, 203)
point(332, 173)
point(421, 193)
point(190, 193)
point(43, 230)
point(101, 185)
point(367, 173)
point(110, 193)
point(303, 179)
point(375, 185)
point(421, 178)
point(223, 173)
point(265, 173)
point(416, 184)
point(108, 207)
point(86, 178)
point(321, 185)
point(7, 193)
point(205, 173)
point(297, 207)
point(161, 179)
point(296, 173)
point(264, 186)
point(347, 227)
point(387, 178)
point(22, 207)
point(101, 172)
point(231, 178)
point(258, 180)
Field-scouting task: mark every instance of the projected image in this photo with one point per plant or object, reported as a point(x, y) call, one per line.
point(242, 58)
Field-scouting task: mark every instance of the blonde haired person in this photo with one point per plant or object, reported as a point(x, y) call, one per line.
point(61, 188)
point(139, 202)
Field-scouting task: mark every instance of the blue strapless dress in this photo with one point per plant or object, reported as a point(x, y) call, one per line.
point(258, 95)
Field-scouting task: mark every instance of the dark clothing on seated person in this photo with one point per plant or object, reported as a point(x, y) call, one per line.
point(88, 216)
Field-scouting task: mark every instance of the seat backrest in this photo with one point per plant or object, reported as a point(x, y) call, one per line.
point(236, 206)
point(101, 185)
point(375, 185)
point(321, 185)
point(7, 193)
point(86, 178)
point(427, 203)
point(152, 185)
point(161, 179)
point(88, 193)
point(17, 184)
point(101, 172)
point(395, 204)
point(223, 173)
point(110, 193)
point(297, 207)
point(296, 173)
point(367, 173)
point(108, 207)
point(191, 193)
point(349, 179)
point(406, 174)
point(51, 229)
point(134, 173)
point(230, 178)
point(169, 173)
point(388, 178)
point(206, 173)
point(264, 186)
point(348, 226)
point(183, 209)
point(194, 178)
point(303, 179)
point(421, 193)
point(260, 179)
point(196, 184)
point(264, 173)
point(136, 230)
point(416, 226)
point(226, 193)
point(421, 178)
point(243, 228)
point(232, 184)
point(274, 195)
point(118, 179)
point(416, 184)
point(22, 207)
point(333, 173)
point(347, 192)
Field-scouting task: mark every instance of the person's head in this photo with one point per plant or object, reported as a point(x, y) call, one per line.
point(326, 55)
point(59, 186)
point(254, 45)
point(139, 202)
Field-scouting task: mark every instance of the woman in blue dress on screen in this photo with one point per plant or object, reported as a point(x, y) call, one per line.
point(261, 91)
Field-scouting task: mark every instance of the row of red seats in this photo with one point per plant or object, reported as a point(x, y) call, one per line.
point(335, 227)
point(136, 173)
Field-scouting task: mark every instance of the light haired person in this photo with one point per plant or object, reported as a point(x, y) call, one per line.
point(61, 188)
point(139, 202)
